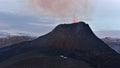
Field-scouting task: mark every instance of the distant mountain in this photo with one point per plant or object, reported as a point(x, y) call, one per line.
point(14, 39)
point(4, 34)
point(113, 43)
point(68, 44)
point(7, 38)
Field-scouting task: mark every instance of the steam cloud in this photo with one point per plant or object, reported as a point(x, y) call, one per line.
point(64, 7)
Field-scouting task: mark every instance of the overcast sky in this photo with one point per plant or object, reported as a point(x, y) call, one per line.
point(16, 16)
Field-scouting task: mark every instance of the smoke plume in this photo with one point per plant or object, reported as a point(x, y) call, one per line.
point(78, 8)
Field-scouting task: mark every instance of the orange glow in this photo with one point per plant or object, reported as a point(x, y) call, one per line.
point(75, 19)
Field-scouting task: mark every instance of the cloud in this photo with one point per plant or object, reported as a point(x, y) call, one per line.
point(18, 31)
point(4, 25)
point(24, 23)
point(16, 18)
point(107, 8)
point(42, 24)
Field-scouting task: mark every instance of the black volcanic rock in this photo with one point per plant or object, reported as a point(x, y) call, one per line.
point(75, 41)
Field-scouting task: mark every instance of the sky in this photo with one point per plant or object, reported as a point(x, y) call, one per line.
point(16, 16)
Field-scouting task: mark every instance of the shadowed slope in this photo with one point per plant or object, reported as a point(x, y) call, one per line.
point(49, 62)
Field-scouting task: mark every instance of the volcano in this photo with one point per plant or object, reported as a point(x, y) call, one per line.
point(67, 46)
